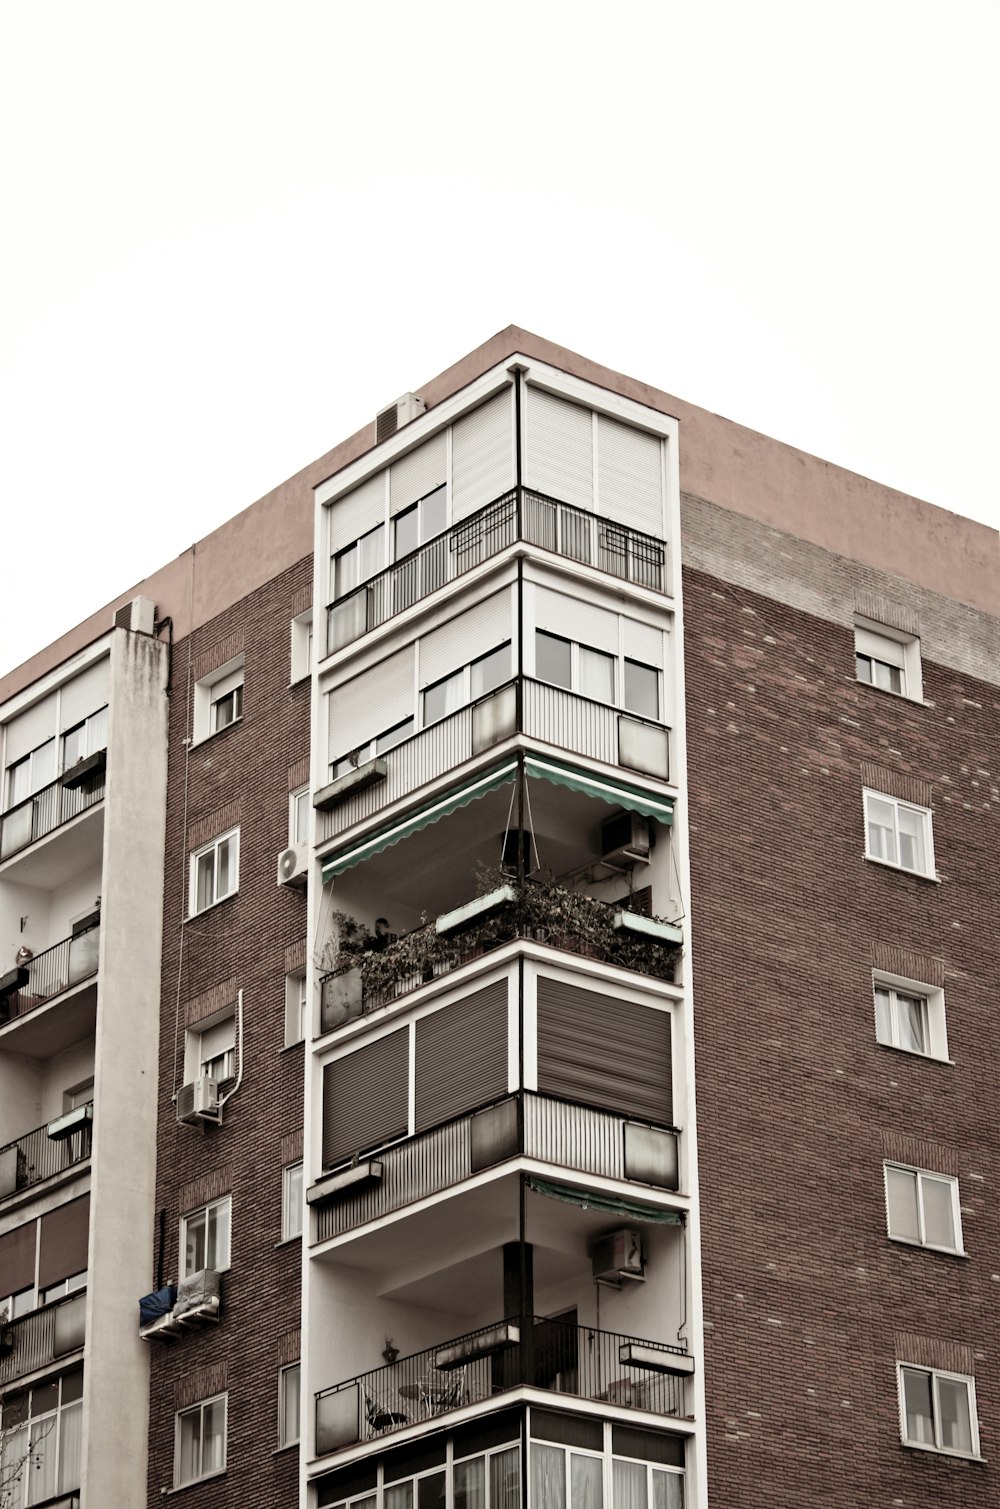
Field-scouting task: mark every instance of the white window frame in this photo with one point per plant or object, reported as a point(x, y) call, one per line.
point(44, 1434)
point(301, 650)
point(296, 1009)
point(232, 837)
point(292, 1201)
point(196, 1065)
point(222, 1211)
point(298, 816)
point(285, 1376)
point(618, 659)
point(95, 737)
point(935, 1018)
point(922, 1176)
point(462, 675)
point(925, 816)
point(369, 552)
point(212, 690)
point(880, 644)
point(936, 1376)
point(397, 734)
point(199, 1410)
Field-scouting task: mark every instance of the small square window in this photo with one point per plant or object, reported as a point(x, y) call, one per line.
point(291, 1202)
point(923, 1208)
point(200, 1441)
point(205, 1237)
point(938, 1410)
point(888, 659)
point(290, 1404)
point(218, 700)
point(296, 1006)
point(910, 1016)
point(898, 833)
point(215, 872)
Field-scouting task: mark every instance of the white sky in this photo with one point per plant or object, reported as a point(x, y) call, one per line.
point(236, 228)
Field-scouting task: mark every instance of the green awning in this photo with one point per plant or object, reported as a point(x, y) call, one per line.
point(459, 796)
point(589, 1199)
point(643, 802)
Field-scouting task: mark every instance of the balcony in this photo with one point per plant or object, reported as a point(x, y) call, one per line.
point(56, 804)
point(48, 1150)
point(55, 970)
point(519, 515)
point(42, 1336)
point(607, 1144)
point(580, 1361)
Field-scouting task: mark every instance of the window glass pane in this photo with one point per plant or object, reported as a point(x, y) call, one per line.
point(883, 1016)
point(552, 659)
point(43, 765)
point(505, 1479)
point(490, 672)
point(668, 1490)
point(13, 1450)
point(205, 889)
point(44, 1455)
point(641, 694)
point(444, 698)
point(97, 731)
point(399, 1496)
point(18, 782)
point(887, 676)
point(917, 1406)
point(194, 1243)
point(225, 873)
point(292, 1202)
point(70, 1434)
point(407, 532)
point(954, 1419)
point(345, 571)
point(911, 1019)
point(597, 675)
point(911, 840)
point(394, 736)
point(218, 1238)
point(434, 513)
point(863, 668)
point(430, 1491)
point(291, 1382)
point(629, 1485)
point(74, 745)
point(586, 1482)
point(548, 1477)
point(939, 1212)
point(213, 1436)
point(881, 829)
point(189, 1464)
point(371, 553)
point(470, 1484)
point(901, 1188)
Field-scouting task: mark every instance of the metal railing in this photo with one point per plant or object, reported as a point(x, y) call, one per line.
point(36, 1156)
point(520, 514)
point(47, 809)
point(572, 1136)
point(41, 1336)
point(550, 1354)
point(57, 968)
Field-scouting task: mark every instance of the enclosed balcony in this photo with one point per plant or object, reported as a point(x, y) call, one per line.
point(46, 1151)
point(43, 1336)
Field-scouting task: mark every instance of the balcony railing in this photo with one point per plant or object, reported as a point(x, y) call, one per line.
point(547, 713)
point(38, 1338)
point(590, 1141)
point(49, 808)
point(36, 1156)
point(548, 1354)
point(53, 971)
point(520, 514)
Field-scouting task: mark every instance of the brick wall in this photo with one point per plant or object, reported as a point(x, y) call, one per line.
point(239, 775)
point(807, 1302)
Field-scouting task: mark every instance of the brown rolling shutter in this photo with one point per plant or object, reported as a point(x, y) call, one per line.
point(17, 1258)
point(365, 1097)
point(461, 1056)
point(600, 1051)
point(63, 1242)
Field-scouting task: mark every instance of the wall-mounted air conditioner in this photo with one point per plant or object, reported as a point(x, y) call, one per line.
point(391, 419)
point(198, 1101)
point(293, 866)
point(139, 615)
point(618, 1256)
point(625, 839)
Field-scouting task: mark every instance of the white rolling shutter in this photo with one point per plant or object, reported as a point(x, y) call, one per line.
point(482, 455)
point(418, 473)
point(30, 729)
point(559, 449)
point(371, 703)
point(573, 619)
point(465, 638)
point(217, 1040)
point(629, 476)
point(357, 512)
point(85, 694)
point(642, 642)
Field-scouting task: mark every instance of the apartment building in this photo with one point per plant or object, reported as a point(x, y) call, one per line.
point(531, 1041)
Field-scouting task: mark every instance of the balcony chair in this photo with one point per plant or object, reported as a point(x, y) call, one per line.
point(442, 1390)
point(381, 1416)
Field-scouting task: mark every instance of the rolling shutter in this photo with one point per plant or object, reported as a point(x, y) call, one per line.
point(601, 1051)
point(629, 476)
point(415, 475)
point(365, 1097)
point(643, 642)
point(357, 512)
point(30, 729)
point(85, 694)
point(17, 1258)
point(482, 455)
point(461, 1056)
point(371, 704)
point(465, 638)
point(63, 1242)
point(573, 619)
point(559, 449)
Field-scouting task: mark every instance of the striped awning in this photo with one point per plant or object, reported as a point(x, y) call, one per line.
point(606, 789)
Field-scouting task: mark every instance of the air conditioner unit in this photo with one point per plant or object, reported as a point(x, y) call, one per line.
point(618, 1256)
point(625, 839)
point(391, 419)
point(293, 866)
point(198, 1101)
point(139, 615)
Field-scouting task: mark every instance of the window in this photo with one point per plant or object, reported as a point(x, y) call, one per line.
point(30, 774)
point(217, 1051)
point(910, 1016)
point(291, 1202)
point(887, 658)
point(938, 1410)
point(898, 834)
point(205, 1236)
point(63, 1287)
point(290, 1404)
point(85, 739)
point(298, 816)
point(360, 561)
point(200, 1441)
point(296, 998)
point(215, 871)
point(41, 1430)
point(596, 674)
point(421, 522)
point(923, 1208)
point(642, 689)
point(218, 700)
point(302, 646)
point(465, 685)
point(381, 744)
